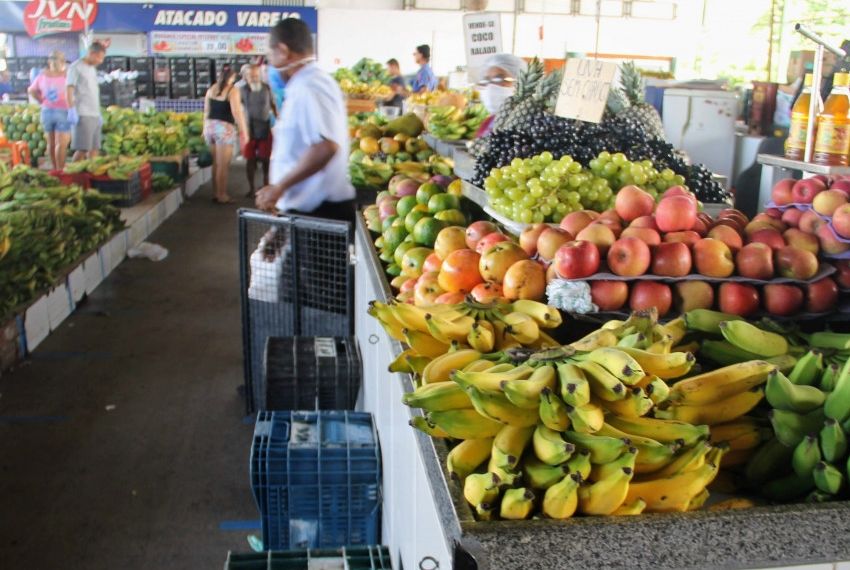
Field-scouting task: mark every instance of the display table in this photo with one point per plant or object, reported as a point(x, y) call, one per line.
point(427, 524)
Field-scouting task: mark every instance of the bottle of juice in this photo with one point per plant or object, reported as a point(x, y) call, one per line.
point(832, 143)
point(795, 144)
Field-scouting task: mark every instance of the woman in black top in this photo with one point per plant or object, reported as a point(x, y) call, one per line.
point(222, 115)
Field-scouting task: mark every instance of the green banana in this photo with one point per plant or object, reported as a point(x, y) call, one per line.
point(550, 447)
point(829, 377)
point(541, 475)
point(503, 467)
point(837, 405)
point(464, 424)
point(497, 407)
point(661, 430)
point(491, 380)
point(833, 441)
point(808, 369)
point(706, 320)
point(771, 458)
point(783, 394)
point(603, 449)
point(652, 455)
point(829, 339)
point(580, 463)
point(553, 410)
point(787, 488)
point(751, 338)
point(437, 397)
point(627, 459)
point(575, 389)
point(790, 427)
point(526, 393)
point(724, 353)
point(603, 384)
point(828, 478)
point(819, 497)
point(806, 456)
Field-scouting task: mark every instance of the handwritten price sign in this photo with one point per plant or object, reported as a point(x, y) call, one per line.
point(584, 89)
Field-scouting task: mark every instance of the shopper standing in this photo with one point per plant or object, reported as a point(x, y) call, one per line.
point(259, 107)
point(83, 96)
point(309, 162)
point(397, 84)
point(50, 89)
point(425, 79)
point(222, 115)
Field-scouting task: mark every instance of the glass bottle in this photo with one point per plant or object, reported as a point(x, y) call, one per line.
point(795, 144)
point(832, 143)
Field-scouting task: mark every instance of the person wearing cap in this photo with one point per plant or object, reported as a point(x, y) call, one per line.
point(425, 79)
point(50, 90)
point(497, 84)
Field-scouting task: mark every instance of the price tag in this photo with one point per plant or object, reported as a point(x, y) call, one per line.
point(482, 33)
point(584, 89)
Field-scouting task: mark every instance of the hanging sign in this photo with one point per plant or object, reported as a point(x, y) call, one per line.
point(482, 33)
point(200, 43)
point(43, 17)
point(584, 89)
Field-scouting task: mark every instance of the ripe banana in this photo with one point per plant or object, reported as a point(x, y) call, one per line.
point(687, 460)
point(522, 327)
point(706, 320)
point(808, 369)
point(675, 330)
point(665, 366)
point(598, 338)
point(833, 441)
point(541, 475)
point(783, 394)
point(603, 384)
point(606, 495)
point(401, 363)
point(627, 459)
point(751, 338)
point(481, 488)
point(546, 316)
point(657, 390)
point(464, 424)
point(661, 430)
point(491, 380)
point(467, 456)
point(525, 393)
point(575, 389)
point(561, 499)
point(424, 425)
point(806, 456)
point(437, 397)
point(636, 507)
point(580, 464)
point(517, 504)
point(481, 336)
point(741, 434)
point(553, 410)
point(511, 442)
point(550, 447)
point(388, 320)
point(828, 478)
point(790, 427)
point(587, 418)
point(698, 501)
point(618, 362)
point(785, 363)
point(410, 316)
point(477, 366)
point(497, 407)
point(635, 404)
point(603, 449)
point(502, 468)
point(721, 383)
point(447, 331)
point(717, 412)
point(424, 343)
point(441, 367)
point(837, 404)
point(652, 455)
point(672, 493)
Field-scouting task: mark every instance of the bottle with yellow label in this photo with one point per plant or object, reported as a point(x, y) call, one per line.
point(832, 144)
point(795, 144)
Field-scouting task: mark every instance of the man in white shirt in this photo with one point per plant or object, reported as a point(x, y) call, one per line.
point(84, 102)
point(309, 159)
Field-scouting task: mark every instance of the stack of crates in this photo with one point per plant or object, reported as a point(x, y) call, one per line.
point(144, 82)
point(204, 76)
point(316, 479)
point(161, 78)
point(114, 62)
point(352, 558)
point(182, 78)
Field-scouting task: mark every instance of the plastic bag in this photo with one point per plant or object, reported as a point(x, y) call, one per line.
point(149, 250)
point(267, 268)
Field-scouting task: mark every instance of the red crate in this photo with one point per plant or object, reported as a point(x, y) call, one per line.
point(79, 178)
point(146, 180)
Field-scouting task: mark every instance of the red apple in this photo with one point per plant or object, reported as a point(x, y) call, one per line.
point(707, 219)
point(647, 235)
point(795, 263)
point(841, 184)
point(739, 299)
point(672, 259)
point(805, 190)
point(679, 191)
point(842, 275)
point(648, 294)
point(713, 258)
point(478, 230)
point(810, 221)
point(826, 202)
point(577, 259)
point(774, 213)
point(821, 296)
point(791, 216)
point(755, 261)
point(688, 238)
point(550, 240)
point(631, 202)
point(700, 226)
point(732, 223)
point(781, 192)
point(829, 243)
point(841, 221)
point(611, 215)
point(822, 178)
point(598, 234)
point(782, 299)
point(692, 295)
point(609, 295)
point(629, 257)
point(675, 213)
point(728, 236)
point(614, 225)
point(770, 221)
point(732, 213)
point(528, 238)
point(574, 222)
point(770, 237)
point(489, 241)
point(644, 222)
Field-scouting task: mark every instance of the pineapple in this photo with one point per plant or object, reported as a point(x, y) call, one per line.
point(637, 109)
point(525, 103)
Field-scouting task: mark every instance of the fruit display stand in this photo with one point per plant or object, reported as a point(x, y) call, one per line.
point(444, 148)
point(774, 168)
point(428, 524)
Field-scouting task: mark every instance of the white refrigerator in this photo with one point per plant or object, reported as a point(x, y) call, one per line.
point(702, 123)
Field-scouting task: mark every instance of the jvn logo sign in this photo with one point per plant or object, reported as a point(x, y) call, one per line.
point(42, 17)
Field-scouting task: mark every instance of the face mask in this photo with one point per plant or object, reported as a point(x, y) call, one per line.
point(494, 96)
point(291, 65)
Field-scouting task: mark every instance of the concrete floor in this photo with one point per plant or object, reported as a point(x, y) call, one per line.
point(158, 481)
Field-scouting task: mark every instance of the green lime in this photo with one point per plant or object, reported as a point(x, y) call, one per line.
point(425, 231)
point(405, 205)
point(443, 201)
point(424, 193)
point(414, 216)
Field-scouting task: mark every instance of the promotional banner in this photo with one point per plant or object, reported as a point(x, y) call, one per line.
point(42, 17)
point(207, 43)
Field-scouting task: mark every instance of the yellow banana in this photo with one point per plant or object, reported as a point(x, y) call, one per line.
point(417, 363)
point(388, 320)
point(716, 412)
point(481, 488)
point(636, 507)
point(606, 495)
point(603, 384)
point(602, 449)
point(652, 455)
point(525, 393)
point(441, 367)
point(733, 503)
point(511, 442)
point(618, 362)
point(675, 329)
point(597, 339)
point(410, 316)
point(657, 390)
point(546, 341)
point(580, 463)
point(742, 433)
point(660, 430)
point(491, 380)
point(721, 383)
point(437, 397)
point(481, 336)
point(467, 456)
point(661, 346)
point(546, 316)
point(612, 325)
point(424, 343)
point(692, 347)
point(517, 504)
point(736, 457)
point(501, 466)
point(587, 418)
point(697, 502)
point(424, 425)
point(447, 331)
point(672, 493)
point(574, 387)
point(497, 407)
point(401, 363)
point(478, 366)
point(541, 475)
point(553, 411)
point(550, 447)
point(561, 499)
point(687, 460)
point(464, 424)
point(522, 327)
point(664, 366)
point(635, 404)
point(627, 459)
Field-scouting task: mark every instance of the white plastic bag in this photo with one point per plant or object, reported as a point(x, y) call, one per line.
point(267, 269)
point(149, 250)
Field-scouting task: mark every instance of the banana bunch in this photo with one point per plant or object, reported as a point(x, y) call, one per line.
point(450, 123)
point(577, 428)
point(364, 90)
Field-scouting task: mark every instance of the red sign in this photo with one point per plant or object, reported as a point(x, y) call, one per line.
point(42, 17)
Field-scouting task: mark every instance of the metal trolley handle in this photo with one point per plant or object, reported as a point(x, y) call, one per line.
point(373, 339)
point(432, 563)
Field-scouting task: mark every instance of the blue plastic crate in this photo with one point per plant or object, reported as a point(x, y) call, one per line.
point(351, 558)
point(316, 478)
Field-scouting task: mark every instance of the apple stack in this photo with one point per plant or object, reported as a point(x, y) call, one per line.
point(671, 256)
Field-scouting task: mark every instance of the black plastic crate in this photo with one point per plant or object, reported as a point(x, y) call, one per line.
point(140, 63)
point(12, 64)
point(349, 558)
point(161, 90)
point(114, 62)
point(182, 76)
point(125, 193)
point(182, 61)
point(306, 373)
point(203, 65)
